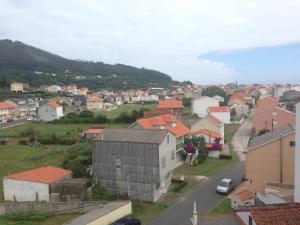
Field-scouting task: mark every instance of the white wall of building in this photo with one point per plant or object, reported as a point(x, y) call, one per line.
point(24, 190)
point(244, 216)
point(297, 156)
point(222, 116)
point(200, 105)
point(48, 113)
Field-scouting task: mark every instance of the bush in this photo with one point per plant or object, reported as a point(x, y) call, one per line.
point(101, 193)
point(101, 119)
point(195, 162)
point(3, 142)
point(29, 216)
point(178, 185)
point(225, 157)
point(86, 114)
point(23, 142)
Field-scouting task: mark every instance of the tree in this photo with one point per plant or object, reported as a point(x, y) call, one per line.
point(86, 114)
point(202, 149)
point(72, 115)
point(213, 91)
point(101, 119)
point(187, 102)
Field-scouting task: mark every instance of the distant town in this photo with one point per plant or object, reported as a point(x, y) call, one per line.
point(186, 154)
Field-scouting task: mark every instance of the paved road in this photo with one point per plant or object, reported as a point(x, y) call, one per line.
point(240, 138)
point(13, 123)
point(205, 196)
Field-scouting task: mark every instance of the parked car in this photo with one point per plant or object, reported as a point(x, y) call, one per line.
point(125, 221)
point(225, 186)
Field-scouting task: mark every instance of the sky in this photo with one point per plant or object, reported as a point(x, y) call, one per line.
point(204, 41)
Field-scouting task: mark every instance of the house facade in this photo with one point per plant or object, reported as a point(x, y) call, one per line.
point(222, 113)
point(94, 103)
point(7, 111)
point(270, 158)
point(272, 119)
point(33, 185)
point(50, 111)
point(173, 107)
point(170, 123)
point(201, 104)
point(138, 162)
point(24, 107)
point(15, 86)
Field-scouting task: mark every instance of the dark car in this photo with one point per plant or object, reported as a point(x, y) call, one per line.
point(125, 221)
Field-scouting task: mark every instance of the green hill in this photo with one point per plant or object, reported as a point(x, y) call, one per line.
point(21, 62)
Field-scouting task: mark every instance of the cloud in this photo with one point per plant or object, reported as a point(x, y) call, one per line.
point(163, 35)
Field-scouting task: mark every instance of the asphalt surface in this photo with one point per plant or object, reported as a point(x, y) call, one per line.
point(13, 123)
point(241, 137)
point(205, 196)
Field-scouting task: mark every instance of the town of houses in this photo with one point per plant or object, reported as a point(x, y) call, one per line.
point(141, 160)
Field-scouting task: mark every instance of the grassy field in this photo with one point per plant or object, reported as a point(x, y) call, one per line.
point(222, 208)
point(54, 220)
point(14, 158)
point(146, 210)
point(47, 129)
point(125, 108)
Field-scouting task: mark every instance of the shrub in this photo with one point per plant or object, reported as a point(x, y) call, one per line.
point(101, 193)
point(3, 142)
point(86, 114)
point(178, 185)
point(23, 142)
point(225, 157)
point(195, 162)
point(101, 119)
point(29, 216)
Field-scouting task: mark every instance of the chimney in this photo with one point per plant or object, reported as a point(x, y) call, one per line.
point(297, 156)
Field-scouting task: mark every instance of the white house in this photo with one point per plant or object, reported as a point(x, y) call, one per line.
point(33, 185)
point(201, 104)
point(50, 111)
point(222, 113)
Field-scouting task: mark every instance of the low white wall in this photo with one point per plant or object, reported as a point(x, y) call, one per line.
point(24, 190)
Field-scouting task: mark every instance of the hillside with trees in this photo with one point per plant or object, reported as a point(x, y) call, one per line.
point(24, 63)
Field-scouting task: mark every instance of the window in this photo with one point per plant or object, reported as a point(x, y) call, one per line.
point(292, 144)
point(118, 163)
point(163, 162)
point(274, 113)
point(173, 155)
point(275, 122)
point(250, 220)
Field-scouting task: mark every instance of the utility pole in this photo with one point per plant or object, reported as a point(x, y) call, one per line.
point(195, 215)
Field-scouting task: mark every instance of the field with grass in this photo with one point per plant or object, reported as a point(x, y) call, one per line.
point(128, 108)
point(146, 210)
point(222, 208)
point(47, 129)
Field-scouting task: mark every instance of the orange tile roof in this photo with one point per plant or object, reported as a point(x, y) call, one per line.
point(218, 109)
point(214, 119)
point(46, 174)
point(179, 130)
point(6, 105)
point(206, 132)
point(170, 104)
point(94, 131)
point(94, 99)
point(53, 104)
point(266, 103)
point(276, 215)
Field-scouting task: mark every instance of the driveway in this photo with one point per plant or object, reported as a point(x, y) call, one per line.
point(205, 196)
point(241, 137)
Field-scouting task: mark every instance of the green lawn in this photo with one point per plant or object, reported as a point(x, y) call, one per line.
point(222, 208)
point(47, 129)
point(207, 168)
point(125, 108)
point(54, 220)
point(146, 210)
point(14, 158)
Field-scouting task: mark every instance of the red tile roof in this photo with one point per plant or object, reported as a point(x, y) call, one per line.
point(266, 103)
point(170, 104)
point(214, 119)
point(277, 215)
point(94, 131)
point(46, 174)
point(218, 109)
point(205, 132)
point(53, 104)
point(179, 129)
point(94, 99)
point(6, 105)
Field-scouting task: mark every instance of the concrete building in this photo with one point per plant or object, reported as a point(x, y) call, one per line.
point(272, 118)
point(24, 107)
point(222, 113)
point(94, 103)
point(201, 104)
point(138, 162)
point(270, 159)
point(7, 111)
point(33, 185)
point(15, 86)
point(50, 111)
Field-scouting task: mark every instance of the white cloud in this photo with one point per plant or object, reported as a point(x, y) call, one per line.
point(162, 35)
